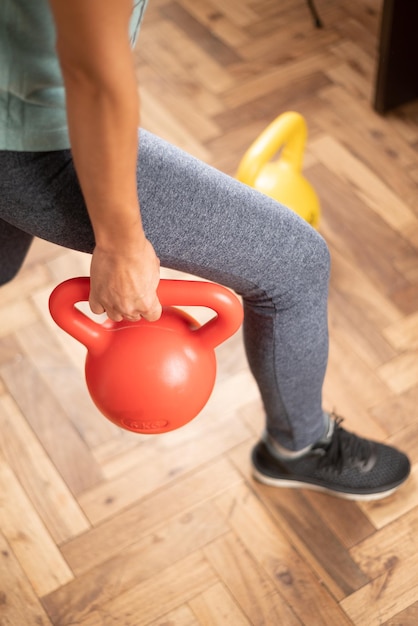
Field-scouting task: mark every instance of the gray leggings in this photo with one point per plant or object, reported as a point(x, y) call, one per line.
point(205, 223)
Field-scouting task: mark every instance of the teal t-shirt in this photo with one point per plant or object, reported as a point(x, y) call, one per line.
point(32, 98)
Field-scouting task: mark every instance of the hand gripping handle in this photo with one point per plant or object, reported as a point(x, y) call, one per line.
point(171, 292)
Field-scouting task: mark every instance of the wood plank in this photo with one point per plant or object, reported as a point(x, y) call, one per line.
point(406, 299)
point(370, 189)
point(390, 158)
point(112, 451)
point(401, 372)
point(388, 548)
point(264, 84)
point(216, 22)
point(345, 377)
point(203, 37)
point(182, 616)
point(16, 315)
point(194, 106)
point(274, 551)
point(48, 493)
point(146, 514)
point(276, 44)
point(240, 13)
point(359, 24)
point(347, 522)
point(407, 616)
point(72, 348)
point(31, 277)
point(265, 109)
point(399, 412)
point(166, 44)
point(137, 607)
point(158, 119)
point(216, 606)
point(352, 227)
point(403, 334)
point(384, 596)
point(18, 600)
point(358, 69)
point(248, 582)
point(359, 311)
point(202, 444)
point(65, 383)
point(68, 265)
point(32, 545)
point(63, 444)
point(354, 83)
point(400, 503)
point(161, 547)
point(320, 548)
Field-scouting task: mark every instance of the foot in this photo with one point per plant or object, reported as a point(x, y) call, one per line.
point(342, 465)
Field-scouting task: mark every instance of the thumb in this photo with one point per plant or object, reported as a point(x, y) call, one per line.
point(95, 306)
point(153, 312)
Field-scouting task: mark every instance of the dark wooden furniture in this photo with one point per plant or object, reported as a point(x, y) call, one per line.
point(397, 70)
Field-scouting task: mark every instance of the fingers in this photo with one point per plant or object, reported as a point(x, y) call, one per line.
point(150, 312)
point(95, 306)
point(153, 311)
point(125, 285)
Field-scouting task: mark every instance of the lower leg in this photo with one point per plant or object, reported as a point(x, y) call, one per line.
point(286, 338)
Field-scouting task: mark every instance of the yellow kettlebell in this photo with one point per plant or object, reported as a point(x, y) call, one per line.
point(282, 179)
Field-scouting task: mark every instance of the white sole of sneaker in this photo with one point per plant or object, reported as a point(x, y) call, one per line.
point(294, 484)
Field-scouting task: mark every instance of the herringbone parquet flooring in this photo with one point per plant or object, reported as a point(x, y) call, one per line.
point(100, 527)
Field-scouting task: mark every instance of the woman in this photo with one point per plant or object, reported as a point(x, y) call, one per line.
point(74, 170)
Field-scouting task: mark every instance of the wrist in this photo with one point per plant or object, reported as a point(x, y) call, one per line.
point(121, 234)
point(127, 246)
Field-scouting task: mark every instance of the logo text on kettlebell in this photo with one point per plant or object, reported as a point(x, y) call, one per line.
point(144, 425)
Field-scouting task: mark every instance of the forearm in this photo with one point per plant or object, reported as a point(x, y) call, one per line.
point(103, 120)
point(97, 64)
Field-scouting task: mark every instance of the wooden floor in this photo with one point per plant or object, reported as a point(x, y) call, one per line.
point(100, 527)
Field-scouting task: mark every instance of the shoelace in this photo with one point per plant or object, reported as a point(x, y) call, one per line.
point(345, 448)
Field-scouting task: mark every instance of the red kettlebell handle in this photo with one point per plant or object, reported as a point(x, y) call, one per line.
point(170, 292)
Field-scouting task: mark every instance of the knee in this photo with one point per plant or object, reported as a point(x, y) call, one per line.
point(310, 270)
point(319, 258)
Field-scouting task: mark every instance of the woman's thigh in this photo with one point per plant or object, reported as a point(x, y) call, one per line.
point(206, 223)
point(199, 220)
point(40, 195)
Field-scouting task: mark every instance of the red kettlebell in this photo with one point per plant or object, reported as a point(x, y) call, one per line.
point(150, 377)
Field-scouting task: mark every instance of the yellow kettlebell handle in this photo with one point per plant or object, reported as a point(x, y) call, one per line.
point(288, 132)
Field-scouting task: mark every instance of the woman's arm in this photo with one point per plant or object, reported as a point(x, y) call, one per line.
point(103, 117)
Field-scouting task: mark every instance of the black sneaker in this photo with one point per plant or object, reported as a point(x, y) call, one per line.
point(342, 465)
